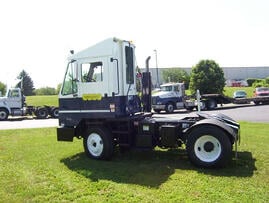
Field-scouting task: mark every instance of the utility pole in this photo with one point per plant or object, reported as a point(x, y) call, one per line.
point(157, 71)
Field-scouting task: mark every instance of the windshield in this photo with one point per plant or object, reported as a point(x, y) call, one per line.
point(166, 88)
point(69, 84)
point(263, 89)
point(240, 93)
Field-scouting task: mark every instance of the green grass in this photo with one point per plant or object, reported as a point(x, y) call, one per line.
point(49, 100)
point(34, 167)
point(52, 100)
point(228, 91)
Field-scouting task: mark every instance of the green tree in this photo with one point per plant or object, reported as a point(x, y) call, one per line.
point(138, 79)
point(208, 77)
point(45, 91)
point(3, 88)
point(267, 80)
point(260, 83)
point(176, 75)
point(26, 83)
point(58, 89)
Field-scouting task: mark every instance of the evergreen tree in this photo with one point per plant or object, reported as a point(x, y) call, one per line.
point(26, 84)
point(3, 88)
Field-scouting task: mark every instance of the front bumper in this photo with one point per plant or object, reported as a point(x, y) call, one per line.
point(158, 107)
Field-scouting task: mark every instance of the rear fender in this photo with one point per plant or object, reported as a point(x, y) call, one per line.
point(213, 122)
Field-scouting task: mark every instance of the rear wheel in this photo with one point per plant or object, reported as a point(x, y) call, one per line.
point(211, 104)
point(41, 113)
point(208, 146)
point(3, 114)
point(98, 143)
point(256, 102)
point(55, 112)
point(157, 110)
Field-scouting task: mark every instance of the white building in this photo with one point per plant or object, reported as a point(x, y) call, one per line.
point(230, 73)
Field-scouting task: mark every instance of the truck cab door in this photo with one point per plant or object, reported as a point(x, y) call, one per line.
point(179, 95)
point(14, 99)
point(94, 86)
point(69, 105)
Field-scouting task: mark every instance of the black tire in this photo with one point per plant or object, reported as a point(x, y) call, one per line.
point(189, 108)
point(209, 147)
point(54, 112)
point(211, 104)
point(169, 107)
point(98, 143)
point(256, 102)
point(3, 114)
point(41, 113)
point(157, 110)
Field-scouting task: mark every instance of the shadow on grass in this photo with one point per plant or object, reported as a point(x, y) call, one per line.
point(151, 168)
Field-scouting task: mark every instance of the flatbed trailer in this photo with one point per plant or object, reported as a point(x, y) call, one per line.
point(212, 100)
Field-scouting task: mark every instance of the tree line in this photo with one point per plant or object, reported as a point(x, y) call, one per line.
point(207, 76)
point(27, 86)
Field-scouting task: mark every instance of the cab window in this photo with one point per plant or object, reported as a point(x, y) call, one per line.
point(92, 72)
point(13, 93)
point(129, 65)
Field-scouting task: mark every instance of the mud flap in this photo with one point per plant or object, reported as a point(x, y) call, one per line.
point(65, 134)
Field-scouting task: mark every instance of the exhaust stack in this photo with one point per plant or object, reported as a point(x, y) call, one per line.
point(146, 88)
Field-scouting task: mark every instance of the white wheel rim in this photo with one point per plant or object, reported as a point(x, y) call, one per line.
point(95, 144)
point(3, 115)
point(207, 148)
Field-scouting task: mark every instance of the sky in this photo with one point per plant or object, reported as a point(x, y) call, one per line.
point(37, 35)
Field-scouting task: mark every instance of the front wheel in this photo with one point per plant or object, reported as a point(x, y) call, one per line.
point(169, 108)
point(208, 146)
point(98, 143)
point(3, 114)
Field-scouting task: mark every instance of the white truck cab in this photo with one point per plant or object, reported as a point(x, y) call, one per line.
point(100, 81)
point(12, 103)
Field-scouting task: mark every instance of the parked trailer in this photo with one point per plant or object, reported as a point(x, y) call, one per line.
point(13, 104)
point(99, 103)
point(212, 100)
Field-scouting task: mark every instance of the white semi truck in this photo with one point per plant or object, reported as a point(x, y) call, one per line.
point(13, 104)
point(99, 103)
